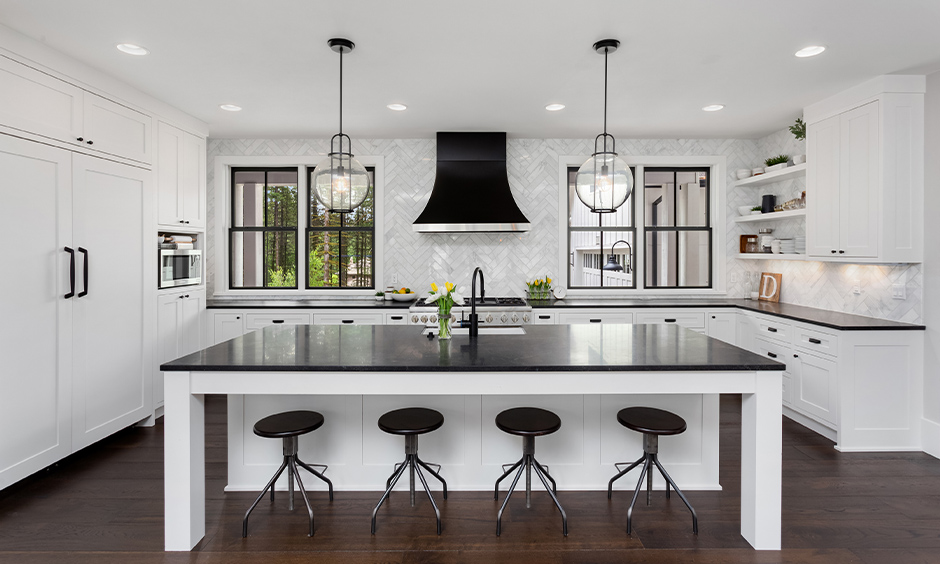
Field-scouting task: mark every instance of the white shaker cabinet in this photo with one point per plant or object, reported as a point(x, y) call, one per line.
point(181, 178)
point(816, 386)
point(722, 326)
point(226, 326)
point(38, 103)
point(111, 205)
point(35, 338)
point(865, 173)
point(180, 330)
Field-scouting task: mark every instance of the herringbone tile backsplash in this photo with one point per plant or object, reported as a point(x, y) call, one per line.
point(508, 259)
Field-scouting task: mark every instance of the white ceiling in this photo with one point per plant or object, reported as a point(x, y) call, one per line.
point(490, 65)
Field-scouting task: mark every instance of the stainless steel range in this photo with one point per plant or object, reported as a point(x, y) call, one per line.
point(491, 311)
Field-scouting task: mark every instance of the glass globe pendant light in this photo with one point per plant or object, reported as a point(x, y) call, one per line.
point(604, 181)
point(340, 182)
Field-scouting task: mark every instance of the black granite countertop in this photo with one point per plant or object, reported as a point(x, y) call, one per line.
point(400, 348)
point(823, 317)
point(293, 303)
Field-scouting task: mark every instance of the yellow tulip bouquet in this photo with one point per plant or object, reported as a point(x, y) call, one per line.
point(445, 298)
point(540, 289)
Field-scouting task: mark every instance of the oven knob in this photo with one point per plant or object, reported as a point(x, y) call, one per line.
point(414, 318)
point(515, 318)
point(489, 318)
point(504, 318)
point(424, 319)
point(525, 317)
point(432, 319)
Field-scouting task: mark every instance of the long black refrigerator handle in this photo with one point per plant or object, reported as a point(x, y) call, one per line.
point(71, 253)
point(84, 291)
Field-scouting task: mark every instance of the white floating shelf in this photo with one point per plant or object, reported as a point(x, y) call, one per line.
point(775, 216)
point(770, 256)
point(788, 173)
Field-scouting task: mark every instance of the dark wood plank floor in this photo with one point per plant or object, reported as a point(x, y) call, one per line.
point(105, 505)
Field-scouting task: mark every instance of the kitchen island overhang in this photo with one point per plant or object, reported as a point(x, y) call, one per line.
point(387, 361)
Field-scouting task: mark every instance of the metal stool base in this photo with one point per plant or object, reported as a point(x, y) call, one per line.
point(291, 462)
point(528, 463)
point(414, 464)
point(649, 459)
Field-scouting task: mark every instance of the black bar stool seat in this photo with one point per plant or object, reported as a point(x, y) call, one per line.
point(288, 426)
point(653, 423)
point(411, 422)
point(528, 423)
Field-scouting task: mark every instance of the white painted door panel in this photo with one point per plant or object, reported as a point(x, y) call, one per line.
point(117, 130)
point(112, 384)
point(192, 326)
point(181, 178)
point(858, 201)
point(226, 326)
point(35, 345)
point(38, 103)
point(823, 154)
point(816, 391)
point(168, 339)
point(722, 326)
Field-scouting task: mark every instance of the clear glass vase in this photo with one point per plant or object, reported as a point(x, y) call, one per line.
point(443, 325)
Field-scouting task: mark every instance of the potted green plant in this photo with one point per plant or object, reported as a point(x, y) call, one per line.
point(798, 129)
point(755, 210)
point(776, 163)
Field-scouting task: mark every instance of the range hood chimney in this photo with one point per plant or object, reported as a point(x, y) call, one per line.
point(471, 190)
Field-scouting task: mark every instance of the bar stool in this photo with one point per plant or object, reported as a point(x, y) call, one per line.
point(411, 422)
point(528, 423)
point(652, 423)
point(288, 426)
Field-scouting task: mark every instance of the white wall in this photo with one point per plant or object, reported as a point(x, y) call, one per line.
point(932, 267)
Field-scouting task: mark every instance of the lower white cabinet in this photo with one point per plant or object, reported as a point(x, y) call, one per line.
point(180, 330)
point(593, 316)
point(350, 318)
point(399, 318)
point(688, 319)
point(816, 386)
point(254, 321)
point(543, 317)
point(226, 326)
point(722, 326)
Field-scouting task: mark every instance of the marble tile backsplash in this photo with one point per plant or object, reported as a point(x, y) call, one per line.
point(510, 258)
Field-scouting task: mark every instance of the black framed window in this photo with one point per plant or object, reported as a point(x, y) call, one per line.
point(263, 232)
point(341, 247)
point(590, 238)
point(677, 230)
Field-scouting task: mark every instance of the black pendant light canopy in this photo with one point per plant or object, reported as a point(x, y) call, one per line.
point(604, 181)
point(613, 265)
point(340, 182)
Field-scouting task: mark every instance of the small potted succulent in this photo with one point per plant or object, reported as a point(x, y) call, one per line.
point(379, 296)
point(776, 163)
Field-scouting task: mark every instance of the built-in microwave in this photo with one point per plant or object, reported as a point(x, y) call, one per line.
point(180, 267)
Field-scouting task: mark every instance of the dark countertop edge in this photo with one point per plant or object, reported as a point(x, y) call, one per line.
point(364, 305)
point(347, 368)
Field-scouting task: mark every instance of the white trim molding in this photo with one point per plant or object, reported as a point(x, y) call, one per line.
point(223, 179)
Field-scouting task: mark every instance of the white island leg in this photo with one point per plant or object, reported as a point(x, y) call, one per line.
point(184, 463)
point(761, 451)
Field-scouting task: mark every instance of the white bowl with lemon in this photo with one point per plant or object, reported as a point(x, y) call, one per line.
point(404, 295)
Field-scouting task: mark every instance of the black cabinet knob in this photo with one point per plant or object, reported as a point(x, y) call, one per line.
point(833, 251)
point(841, 252)
point(90, 142)
point(80, 139)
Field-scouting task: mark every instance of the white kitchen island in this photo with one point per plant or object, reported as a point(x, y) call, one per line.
point(353, 374)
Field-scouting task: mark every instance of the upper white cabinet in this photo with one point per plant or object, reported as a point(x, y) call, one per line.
point(865, 174)
point(36, 102)
point(181, 178)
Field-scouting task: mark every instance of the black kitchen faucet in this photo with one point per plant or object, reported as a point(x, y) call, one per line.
point(474, 320)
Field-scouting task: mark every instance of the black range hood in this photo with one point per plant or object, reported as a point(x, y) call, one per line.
point(471, 189)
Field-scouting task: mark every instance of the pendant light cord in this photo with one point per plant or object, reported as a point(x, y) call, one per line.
point(605, 95)
point(341, 49)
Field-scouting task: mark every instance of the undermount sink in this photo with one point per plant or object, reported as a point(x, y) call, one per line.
point(483, 331)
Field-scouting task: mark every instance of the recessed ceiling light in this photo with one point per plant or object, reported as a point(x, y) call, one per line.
point(231, 108)
point(810, 51)
point(555, 107)
point(714, 107)
point(132, 49)
point(397, 107)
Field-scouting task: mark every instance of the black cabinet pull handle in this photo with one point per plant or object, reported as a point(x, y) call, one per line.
point(669, 320)
point(772, 329)
point(796, 356)
point(545, 317)
point(396, 318)
point(80, 139)
point(187, 222)
point(772, 355)
point(595, 321)
point(181, 221)
point(180, 297)
point(90, 142)
point(348, 321)
point(186, 296)
point(71, 253)
point(841, 252)
point(277, 321)
point(84, 291)
point(815, 341)
point(833, 251)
